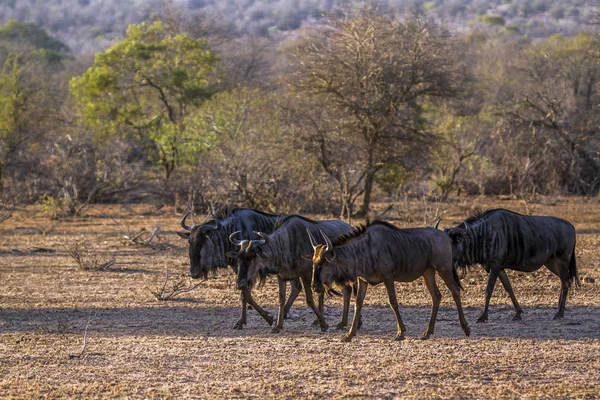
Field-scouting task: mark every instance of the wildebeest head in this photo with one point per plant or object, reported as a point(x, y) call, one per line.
point(458, 236)
point(322, 277)
point(249, 251)
point(200, 247)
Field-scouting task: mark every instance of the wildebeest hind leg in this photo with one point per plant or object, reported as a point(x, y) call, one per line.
point(347, 292)
point(488, 293)
point(389, 285)
point(296, 288)
point(436, 297)
point(508, 287)
point(453, 285)
point(561, 269)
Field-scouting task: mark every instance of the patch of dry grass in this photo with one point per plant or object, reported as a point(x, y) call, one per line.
point(185, 348)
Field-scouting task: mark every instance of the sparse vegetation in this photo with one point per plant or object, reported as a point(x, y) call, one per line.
point(172, 287)
point(87, 259)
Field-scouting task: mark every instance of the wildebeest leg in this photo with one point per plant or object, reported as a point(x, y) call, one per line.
point(436, 297)
point(554, 265)
point(306, 281)
point(347, 292)
point(321, 300)
point(242, 321)
point(267, 317)
point(280, 315)
point(452, 283)
point(508, 287)
point(393, 301)
point(360, 297)
point(488, 293)
point(296, 288)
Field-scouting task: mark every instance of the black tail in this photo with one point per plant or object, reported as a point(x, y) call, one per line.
point(573, 276)
point(456, 278)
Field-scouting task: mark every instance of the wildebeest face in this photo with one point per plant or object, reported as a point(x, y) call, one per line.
point(322, 277)
point(247, 256)
point(198, 241)
point(457, 237)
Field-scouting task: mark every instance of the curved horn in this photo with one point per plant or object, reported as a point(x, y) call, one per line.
point(466, 226)
point(312, 240)
point(206, 228)
point(264, 236)
point(183, 225)
point(437, 223)
point(329, 245)
point(233, 239)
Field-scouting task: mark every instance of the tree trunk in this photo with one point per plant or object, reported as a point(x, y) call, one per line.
point(369, 179)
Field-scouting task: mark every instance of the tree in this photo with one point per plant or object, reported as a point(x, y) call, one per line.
point(368, 78)
point(147, 85)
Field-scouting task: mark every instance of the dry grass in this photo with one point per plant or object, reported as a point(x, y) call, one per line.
point(137, 347)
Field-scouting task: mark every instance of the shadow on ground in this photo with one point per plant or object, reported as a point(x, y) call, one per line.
point(186, 319)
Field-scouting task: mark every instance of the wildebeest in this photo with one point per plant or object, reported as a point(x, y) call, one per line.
point(380, 252)
point(501, 239)
point(286, 253)
point(209, 246)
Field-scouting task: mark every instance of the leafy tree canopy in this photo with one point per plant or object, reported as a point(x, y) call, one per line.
point(18, 34)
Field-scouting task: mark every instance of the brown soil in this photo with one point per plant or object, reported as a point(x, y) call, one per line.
point(138, 347)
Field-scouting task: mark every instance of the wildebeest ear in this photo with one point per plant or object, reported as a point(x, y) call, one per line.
point(184, 235)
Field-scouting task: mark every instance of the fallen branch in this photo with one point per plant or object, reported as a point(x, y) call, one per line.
point(87, 325)
point(177, 287)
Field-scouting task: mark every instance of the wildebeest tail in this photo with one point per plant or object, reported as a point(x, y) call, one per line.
point(573, 276)
point(456, 278)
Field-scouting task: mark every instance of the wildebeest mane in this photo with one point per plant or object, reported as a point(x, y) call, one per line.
point(285, 218)
point(358, 231)
point(479, 213)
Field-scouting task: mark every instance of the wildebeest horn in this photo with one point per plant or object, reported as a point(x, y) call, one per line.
point(206, 228)
point(437, 223)
point(466, 226)
point(233, 239)
point(183, 225)
point(329, 245)
point(264, 236)
point(312, 239)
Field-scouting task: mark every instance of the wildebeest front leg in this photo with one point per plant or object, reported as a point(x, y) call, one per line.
point(242, 321)
point(360, 297)
point(436, 297)
point(296, 289)
point(267, 317)
point(306, 281)
point(488, 293)
point(508, 287)
point(279, 326)
point(347, 292)
point(321, 300)
point(389, 285)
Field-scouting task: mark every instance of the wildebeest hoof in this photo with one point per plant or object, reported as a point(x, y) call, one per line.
point(324, 327)
point(269, 319)
point(467, 331)
point(239, 325)
point(347, 338)
point(341, 325)
point(425, 336)
point(316, 322)
point(481, 319)
point(277, 329)
point(517, 317)
point(399, 337)
point(359, 324)
point(558, 315)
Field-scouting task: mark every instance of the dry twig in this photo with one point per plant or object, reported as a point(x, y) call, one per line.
point(168, 292)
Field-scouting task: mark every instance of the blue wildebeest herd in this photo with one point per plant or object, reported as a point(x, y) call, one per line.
point(319, 256)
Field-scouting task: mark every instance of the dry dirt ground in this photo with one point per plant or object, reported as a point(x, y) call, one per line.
point(137, 347)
